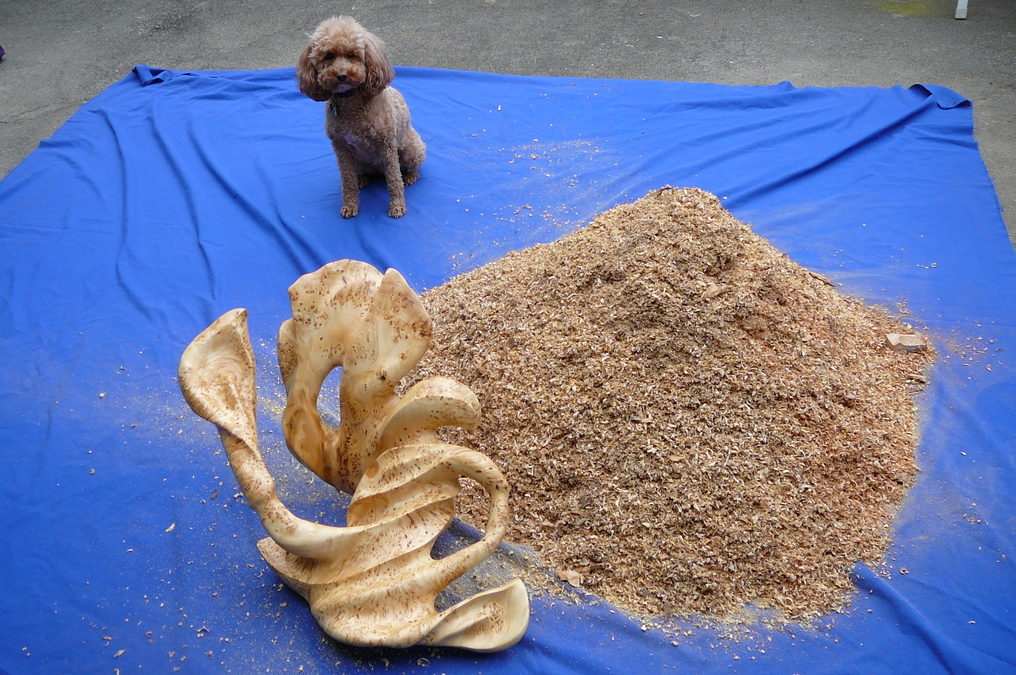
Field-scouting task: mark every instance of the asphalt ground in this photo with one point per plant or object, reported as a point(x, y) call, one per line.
point(61, 53)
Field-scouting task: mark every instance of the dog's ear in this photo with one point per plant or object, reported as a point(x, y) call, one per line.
point(306, 77)
point(379, 70)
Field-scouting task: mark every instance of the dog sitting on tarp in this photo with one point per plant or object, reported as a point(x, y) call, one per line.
point(366, 119)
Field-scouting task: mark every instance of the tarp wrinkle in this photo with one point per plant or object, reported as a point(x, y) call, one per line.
point(147, 76)
point(943, 97)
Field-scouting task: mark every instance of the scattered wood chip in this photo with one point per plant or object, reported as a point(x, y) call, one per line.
point(714, 290)
point(902, 342)
point(823, 279)
point(570, 577)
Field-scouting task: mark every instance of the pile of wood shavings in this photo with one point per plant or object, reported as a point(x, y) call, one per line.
point(689, 420)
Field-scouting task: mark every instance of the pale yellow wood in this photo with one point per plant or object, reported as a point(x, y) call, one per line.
point(373, 582)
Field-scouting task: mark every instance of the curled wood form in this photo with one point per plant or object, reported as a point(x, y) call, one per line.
point(373, 582)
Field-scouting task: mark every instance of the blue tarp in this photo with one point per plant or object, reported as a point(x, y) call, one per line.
point(173, 197)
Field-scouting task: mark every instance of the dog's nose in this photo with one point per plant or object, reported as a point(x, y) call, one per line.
point(341, 77)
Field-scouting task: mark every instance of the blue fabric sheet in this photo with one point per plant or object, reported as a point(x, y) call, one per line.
point(173, 197)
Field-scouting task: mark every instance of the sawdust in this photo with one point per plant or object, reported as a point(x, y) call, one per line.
point(689, 420)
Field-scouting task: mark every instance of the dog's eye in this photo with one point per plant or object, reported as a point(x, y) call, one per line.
point(329, 56)
point(353, 55)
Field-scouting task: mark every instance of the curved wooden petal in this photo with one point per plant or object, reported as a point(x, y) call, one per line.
point(216, 376)
point(393, 337)
point(487, 622)
point(426, 407)
point(329, 306)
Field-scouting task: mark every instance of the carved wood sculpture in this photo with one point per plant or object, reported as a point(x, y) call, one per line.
point(374, 581)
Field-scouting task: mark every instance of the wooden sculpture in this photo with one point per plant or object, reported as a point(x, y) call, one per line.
point(374, 581)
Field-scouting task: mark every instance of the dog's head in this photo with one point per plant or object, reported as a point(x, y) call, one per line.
point(343, 56)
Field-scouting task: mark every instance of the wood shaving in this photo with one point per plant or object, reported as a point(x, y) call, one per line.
point(690, 421)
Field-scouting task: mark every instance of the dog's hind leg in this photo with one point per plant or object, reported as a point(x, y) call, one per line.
point(411, 156)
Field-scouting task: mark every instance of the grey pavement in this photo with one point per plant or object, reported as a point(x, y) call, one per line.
point(60, 53)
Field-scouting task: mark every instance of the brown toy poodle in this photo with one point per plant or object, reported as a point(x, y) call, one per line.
point(366, 120)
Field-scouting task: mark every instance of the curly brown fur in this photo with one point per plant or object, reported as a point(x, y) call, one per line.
point(366, 119)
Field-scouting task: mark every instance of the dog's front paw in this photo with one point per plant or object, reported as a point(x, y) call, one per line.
point(410, 177)
point(349, 210)
point(396, 210)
